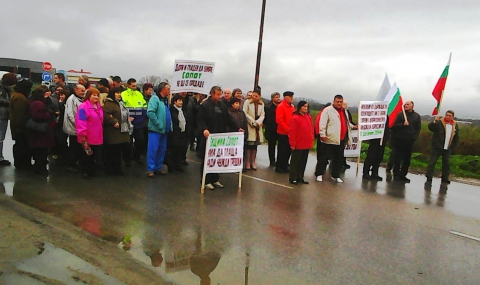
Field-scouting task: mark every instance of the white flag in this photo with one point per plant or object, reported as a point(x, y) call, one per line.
point(382, 93)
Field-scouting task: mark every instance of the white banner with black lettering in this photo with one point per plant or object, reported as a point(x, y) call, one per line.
point(192, 76)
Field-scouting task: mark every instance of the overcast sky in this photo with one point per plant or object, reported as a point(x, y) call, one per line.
point(315, 48)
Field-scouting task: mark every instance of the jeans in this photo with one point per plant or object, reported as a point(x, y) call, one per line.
point(157, 146)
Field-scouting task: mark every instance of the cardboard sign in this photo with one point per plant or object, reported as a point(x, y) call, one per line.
point(372, 119)
point(354, 149)
point(192, 76)
point(224, 153)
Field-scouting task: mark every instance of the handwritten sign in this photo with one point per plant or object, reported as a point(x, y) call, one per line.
point(354, 149)
point(192, 76)
point(224, 153)
point(372, 119)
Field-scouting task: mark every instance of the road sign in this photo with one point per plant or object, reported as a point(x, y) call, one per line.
point(47, 66)
point(46, 76)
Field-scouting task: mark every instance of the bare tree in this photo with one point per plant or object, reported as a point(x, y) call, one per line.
point(154, 79)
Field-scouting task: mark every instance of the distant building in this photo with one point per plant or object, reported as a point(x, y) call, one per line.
point(25, 68)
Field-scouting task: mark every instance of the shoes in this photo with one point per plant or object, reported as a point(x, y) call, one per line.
point(209, 186)
point(55, 157)
point(346, 166)
point(150, 174)
point(445, 181)
point(319, 178)
point(253, 168)
point(376, 177)
point(338, 179)
point(405, 179)
point(367, 176)
point(304, 181)
point(244, 170)
point(402, 179)
point(192, 148)
point(429, 179)
point(279, 170)
point(5, 163)
point(184, 162)
point(218, 185)
point(294, 182)
point(272, 163)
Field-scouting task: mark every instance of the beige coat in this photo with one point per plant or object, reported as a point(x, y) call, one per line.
point(330, 126)
point(249, 109)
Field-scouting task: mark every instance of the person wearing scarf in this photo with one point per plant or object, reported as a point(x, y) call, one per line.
point(115, 131)
point(255, 113)
point(445, 139)
point(177, 139)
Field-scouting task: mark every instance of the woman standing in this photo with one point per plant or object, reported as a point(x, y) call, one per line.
point(40, 142)
point(177, 138)
point(238, 116)
point(89, 126)
point(300, 137)
point(116, 136)
point(255, 113)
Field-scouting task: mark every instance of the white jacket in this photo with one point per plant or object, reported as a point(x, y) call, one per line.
point(249, 109)
point(71, 107)
point(330, 126)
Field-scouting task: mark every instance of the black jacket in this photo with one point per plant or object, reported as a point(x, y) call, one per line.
point(410, 132)
point(238, 116)
point(176, 137)
point(438, 138)
point(214, 117)
point(270, 122)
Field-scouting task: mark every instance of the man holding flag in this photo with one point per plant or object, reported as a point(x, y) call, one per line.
point(440, 87)
point(406, 130)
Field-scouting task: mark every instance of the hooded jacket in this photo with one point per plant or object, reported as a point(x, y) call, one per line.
point(300, 134)
point(89, 123)
point(160, 120)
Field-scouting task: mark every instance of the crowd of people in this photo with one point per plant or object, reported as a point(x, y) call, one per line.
point(87, 128)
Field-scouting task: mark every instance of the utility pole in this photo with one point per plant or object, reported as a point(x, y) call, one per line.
point(259, 51)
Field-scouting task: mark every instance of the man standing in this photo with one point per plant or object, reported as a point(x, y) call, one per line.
point(117, 82)
point(271, 126)
point(375, 152)
point(283, 115)
point(188, 109)
point(213, 118)
point(334, 132)
point(60, 81)
point(159, 125)
point(137, 107)
point(71, 108)
point(406, 132)
point(445, 139)
point(8, 80)
point(18, 110)
point(227, 95)
point(353, 125)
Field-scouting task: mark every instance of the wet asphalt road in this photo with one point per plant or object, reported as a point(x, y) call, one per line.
point(270, 232)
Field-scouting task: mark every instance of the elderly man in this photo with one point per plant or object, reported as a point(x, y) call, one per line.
point(334, 132)
point(71, 108)
point(227, 95)
point(270, 124)
point(445, 139)
point(283, 116)
point(406, 130)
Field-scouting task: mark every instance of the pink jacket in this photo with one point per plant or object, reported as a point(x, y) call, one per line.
point(89, 123)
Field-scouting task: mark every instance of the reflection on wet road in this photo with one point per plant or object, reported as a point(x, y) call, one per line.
point(322, 233)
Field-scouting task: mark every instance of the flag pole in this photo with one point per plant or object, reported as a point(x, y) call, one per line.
point(404, 114)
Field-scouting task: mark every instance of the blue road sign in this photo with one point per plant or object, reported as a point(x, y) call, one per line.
point(46, 76)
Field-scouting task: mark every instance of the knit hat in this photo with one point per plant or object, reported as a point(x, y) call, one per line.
point(24, 84)
point(177, 97)
point(104, 82)
point(288, 93)
point(301, 104)
point(84, 77)
point(234, 100)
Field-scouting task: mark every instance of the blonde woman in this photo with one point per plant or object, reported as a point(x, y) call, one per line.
point(254, 109)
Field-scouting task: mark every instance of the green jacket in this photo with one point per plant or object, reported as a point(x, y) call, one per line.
point(133, 99)
point(159, 117)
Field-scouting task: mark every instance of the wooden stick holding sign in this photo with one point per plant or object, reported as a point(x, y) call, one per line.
point(223, 154)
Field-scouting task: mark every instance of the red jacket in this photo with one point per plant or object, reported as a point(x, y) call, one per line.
point(283, 116)
point(300, 135)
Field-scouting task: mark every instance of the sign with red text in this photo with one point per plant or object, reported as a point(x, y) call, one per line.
point(224, 153)
point(47, 66)
point(192, 76)
point(372, 119)
point(354, 149)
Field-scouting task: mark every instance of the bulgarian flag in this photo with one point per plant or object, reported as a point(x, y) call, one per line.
point(440, 87)
point(395, 104)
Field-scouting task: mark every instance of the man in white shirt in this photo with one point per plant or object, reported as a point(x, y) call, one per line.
point(445, 139)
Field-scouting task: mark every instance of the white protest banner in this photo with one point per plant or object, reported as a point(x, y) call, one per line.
point(192, 76)
point(353, 150)
point(372, 119)
point(224, 153)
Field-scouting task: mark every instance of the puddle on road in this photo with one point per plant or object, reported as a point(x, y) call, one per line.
point(54, 264)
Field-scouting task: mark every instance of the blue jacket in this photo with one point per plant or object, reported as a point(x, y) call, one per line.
point(159, 117)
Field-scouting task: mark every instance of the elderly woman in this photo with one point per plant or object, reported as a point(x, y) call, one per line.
point(300, 137)
point(255, 113)
point(116, 135)
point(40, 142)
point(89, 126)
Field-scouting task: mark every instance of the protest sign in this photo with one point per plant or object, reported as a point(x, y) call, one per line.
point(192, 76)
point(372, 119)
point(353, 150)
